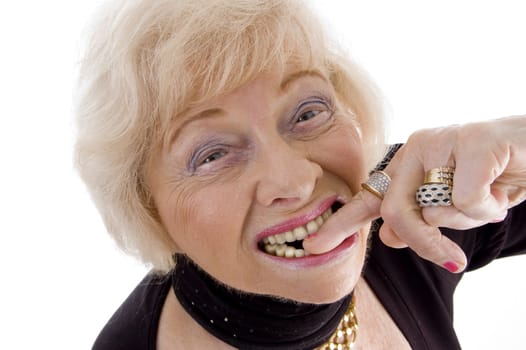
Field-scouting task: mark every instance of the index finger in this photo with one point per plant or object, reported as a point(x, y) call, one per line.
point(357, 213)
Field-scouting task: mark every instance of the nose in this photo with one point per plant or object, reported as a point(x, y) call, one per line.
point(287, 177)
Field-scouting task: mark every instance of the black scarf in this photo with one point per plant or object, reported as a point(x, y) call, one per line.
point(253, 321)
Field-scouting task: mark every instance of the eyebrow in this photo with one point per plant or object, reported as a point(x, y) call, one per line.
point(289, 79)
point(300, 74)
point(212, 112)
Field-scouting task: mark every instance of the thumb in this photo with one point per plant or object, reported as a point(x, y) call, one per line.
point(362, 209)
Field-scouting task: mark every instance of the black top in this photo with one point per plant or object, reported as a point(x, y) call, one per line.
point(419, 295)
point(416, 293)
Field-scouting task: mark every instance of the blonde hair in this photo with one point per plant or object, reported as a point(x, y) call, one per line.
point(148, 61)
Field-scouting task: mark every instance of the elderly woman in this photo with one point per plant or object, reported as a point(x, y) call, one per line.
point(229, 145)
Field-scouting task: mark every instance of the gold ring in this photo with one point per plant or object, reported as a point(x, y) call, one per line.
point(441, 175)
point(437, 188)
point(377, 184)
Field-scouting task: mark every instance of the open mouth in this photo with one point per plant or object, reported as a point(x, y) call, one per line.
point(289, 244)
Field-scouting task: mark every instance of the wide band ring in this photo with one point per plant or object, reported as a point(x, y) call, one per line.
point(378, 183)
point(437, 188)
point(441, 175)
point(434, 195)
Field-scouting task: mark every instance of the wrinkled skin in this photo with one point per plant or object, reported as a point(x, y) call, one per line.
point(490, 178)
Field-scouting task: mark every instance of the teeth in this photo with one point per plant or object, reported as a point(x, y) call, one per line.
point(280, 250)
point(326, 215)
point(270, 248)
point(299, 234)
point(312, 226)
point(290, 252)
point(280, 238)
point(299, 253)
point(289, 236)
point(275, 245)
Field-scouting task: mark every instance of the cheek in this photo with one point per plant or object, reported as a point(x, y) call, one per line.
point(199, 216)
point(178, 210)
point(342, 154)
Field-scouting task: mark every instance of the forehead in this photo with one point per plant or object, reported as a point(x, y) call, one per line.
point(295, 75)
point(281, 83)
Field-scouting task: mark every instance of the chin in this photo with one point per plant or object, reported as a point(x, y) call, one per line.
point(320, 288)
point(323, 294)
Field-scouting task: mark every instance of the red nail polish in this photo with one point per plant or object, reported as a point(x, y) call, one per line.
point(451, 266)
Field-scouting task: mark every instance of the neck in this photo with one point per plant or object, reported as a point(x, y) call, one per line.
point(255, 321)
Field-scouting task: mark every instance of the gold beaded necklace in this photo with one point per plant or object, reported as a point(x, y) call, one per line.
point(345, 335)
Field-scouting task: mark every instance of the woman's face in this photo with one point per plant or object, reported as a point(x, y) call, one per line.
point(243, 172)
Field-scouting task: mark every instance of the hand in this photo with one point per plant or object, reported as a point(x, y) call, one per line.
point(490, 178)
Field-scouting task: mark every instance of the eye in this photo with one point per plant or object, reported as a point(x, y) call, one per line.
point(206, 155)
point(218, 154)
point(305, 116)
point(212, 157)
point(311, 116)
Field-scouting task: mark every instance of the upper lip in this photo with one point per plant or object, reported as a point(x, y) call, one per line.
point(299, 220)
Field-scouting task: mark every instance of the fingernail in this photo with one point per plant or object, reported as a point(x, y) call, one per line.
point(451, 266)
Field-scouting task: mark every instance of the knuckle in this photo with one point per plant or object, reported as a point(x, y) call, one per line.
point(429, 246)
point(442, 140)
point(478, 131)
point(463, 201)
point(389, 211)
point(418, 137)
point(390, 238)
point(434, 217)
point(467, 200)
point(362, 204)
point(475, 207)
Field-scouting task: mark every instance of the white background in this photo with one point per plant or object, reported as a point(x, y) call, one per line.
point(61, 277)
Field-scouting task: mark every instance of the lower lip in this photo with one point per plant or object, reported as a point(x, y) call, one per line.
point(321, 259)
